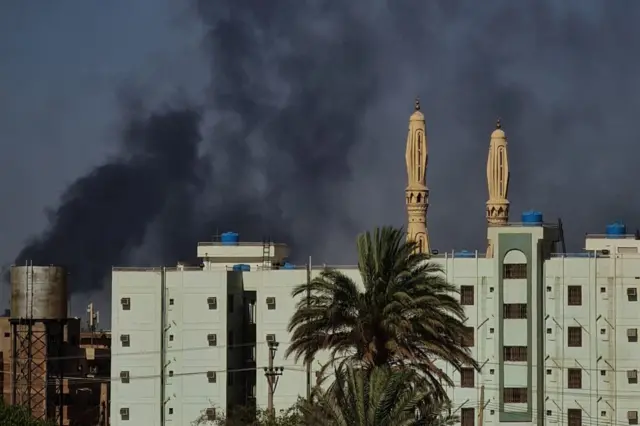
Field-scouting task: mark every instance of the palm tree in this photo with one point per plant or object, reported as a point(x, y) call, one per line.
point(380, 396)
point(406, 313)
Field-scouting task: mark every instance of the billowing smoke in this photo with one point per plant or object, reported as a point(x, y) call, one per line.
point(104, 215)
point(304, 125)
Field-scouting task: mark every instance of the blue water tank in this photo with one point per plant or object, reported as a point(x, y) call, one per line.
point(229, 238)
point(532, 218)
point(464, 253)
point(615, 230)
point(242, 267)
point(288, 265)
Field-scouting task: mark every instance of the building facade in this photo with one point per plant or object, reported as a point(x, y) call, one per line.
point(556, 335)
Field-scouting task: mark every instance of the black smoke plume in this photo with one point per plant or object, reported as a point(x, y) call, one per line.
point(104, 215)
point(306, 117)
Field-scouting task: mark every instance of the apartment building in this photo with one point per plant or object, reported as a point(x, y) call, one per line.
point(556, 334)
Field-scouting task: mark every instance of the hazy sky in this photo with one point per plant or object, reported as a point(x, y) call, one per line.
point(305, 106)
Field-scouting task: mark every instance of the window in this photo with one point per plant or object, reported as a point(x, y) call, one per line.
point(575, 337)
point(467, 416)
point(126, 303)
point(574, 296)
point(271, 303)
point(632, 335)
point(603, 372)
point(514, 271)
point(212, 302)
point(170, 410)
point(632, 377)
point(230, 303)
point(574, 417)
point(171, 337)
point(515, 353)
point(170, 373)
point(210, 414)
point(632, 416)
point(171, 303)
point(466, 295)
point(212, 339)
point(7, 334)
point(124, 339)
point(574, 378)
point(515, 395)
point(514, 310)
point(467, 376)
point(468, 337)
point(632, 294)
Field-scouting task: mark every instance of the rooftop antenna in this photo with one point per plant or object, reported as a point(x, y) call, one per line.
point(561, 236)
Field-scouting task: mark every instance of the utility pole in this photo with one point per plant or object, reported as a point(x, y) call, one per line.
point(93, 320)
point(308, 305)
point(481, 408)
point(273, 376)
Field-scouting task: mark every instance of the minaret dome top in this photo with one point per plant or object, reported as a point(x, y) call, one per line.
point(498, 133)
point(417, 114)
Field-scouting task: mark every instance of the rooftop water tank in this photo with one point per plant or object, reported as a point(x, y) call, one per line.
point(38, 292)
point(229, 238)
point(532, 218)
point(464, 253)
point(615, 230)
point(241, 267)
point(288, 265)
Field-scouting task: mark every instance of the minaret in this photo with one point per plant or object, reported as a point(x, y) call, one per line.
point(417, 194)
point(497, 181)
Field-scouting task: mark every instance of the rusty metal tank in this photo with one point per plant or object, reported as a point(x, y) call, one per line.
point(38, 292)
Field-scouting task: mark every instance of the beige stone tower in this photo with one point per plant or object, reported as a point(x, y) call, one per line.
point(417, 194)
point(497, 181)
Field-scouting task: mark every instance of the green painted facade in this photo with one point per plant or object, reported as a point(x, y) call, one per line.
point(524, 243)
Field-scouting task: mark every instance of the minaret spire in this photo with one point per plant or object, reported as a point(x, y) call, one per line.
point(417, 194)
point(497, 180)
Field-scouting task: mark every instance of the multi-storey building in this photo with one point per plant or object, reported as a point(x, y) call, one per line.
point(556, 335)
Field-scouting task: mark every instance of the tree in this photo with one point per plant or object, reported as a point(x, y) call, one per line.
point(379, 396)
point(406, 313)
point(16, 415)
point(245, 416)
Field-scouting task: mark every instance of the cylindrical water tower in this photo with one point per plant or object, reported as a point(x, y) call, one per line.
point(38, 292)
point(38, 317)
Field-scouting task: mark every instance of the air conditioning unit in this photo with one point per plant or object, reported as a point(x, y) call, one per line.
point(271, 337)
point(212, 339)
point(124, 376)
point(126, 303)
point(271, 303)
point(632, 416)
point(210, 414)
point(212, 302)
point(124, 413)
point(124, 339)
point(211, 376)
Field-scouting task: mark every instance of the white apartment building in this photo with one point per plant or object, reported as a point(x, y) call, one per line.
point(556, 335)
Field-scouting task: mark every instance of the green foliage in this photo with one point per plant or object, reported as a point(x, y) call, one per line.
point(245, 416)
point(14, 415)
point(379, 396)
point(406, 314)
